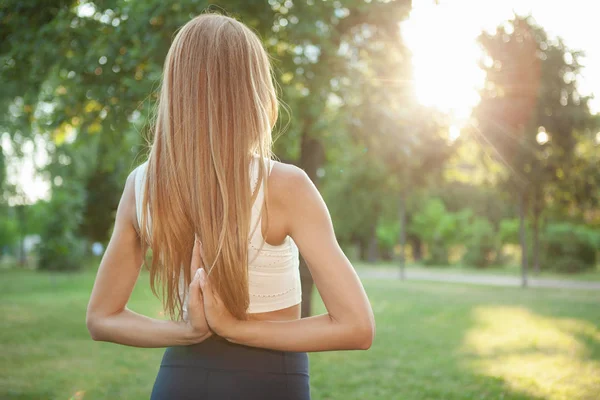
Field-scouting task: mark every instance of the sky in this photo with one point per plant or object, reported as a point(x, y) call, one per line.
point(443, 37)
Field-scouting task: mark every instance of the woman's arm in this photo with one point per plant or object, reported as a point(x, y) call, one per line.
point(348, 323)
point(108, 318)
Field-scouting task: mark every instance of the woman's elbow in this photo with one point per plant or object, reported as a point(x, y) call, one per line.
point(93, 325)
point(364, 335)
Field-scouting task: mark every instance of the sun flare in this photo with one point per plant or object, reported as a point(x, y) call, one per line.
point(445, 66)
point(442, 37)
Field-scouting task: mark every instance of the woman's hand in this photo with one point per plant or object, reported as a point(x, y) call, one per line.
point(218, 316)
point(196, 317)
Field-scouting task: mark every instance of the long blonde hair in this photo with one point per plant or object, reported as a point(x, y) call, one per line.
point(216, 110)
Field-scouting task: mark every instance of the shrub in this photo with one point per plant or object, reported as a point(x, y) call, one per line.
point(569, 248)
point(9, 229)
point(439, 229)
point(61, 247)
point(480, 243)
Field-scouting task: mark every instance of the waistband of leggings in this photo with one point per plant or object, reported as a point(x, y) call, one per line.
point(217, 353)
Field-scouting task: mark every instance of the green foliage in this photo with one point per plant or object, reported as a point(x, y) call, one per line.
point(9, 229)
point(481, 199)
point(36, 217)
point(439, 229)
point(348, 187)
point(19, 221)
point(570, 247)
point(62, 248)
point(100, 71)
point(511, 112)
point(2, 173)
point(530, 113)
point(388, 231)
point(480, 243)
point(509, 231)
point(355, 126)
point(579, 195)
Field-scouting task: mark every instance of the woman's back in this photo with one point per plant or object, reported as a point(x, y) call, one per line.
point(273, 264)
point(193, 204)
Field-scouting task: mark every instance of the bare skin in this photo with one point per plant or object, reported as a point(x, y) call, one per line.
point(295, 209)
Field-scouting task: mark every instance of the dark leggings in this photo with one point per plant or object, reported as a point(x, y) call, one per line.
point(216, 369)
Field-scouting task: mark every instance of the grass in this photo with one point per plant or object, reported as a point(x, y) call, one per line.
point(434, 341)
point(508, 270)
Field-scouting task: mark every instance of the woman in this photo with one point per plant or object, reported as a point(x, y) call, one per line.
point(235, 330)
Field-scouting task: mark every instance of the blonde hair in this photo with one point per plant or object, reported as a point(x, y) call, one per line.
point(216, 110)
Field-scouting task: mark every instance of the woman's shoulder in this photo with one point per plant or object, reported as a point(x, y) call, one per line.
point(289, 184)
point(294, 199)
point(287, 175)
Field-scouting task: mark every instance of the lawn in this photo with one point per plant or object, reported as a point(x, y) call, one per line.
point(434, 341)
point(592, 275)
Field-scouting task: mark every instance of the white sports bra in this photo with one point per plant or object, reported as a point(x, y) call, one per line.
point(273, 273)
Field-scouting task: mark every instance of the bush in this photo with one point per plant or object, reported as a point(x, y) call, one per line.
point(62, 253)
point(439, 229)
point(9, 229)
point(437, 253)
point(569, 248)
point(480, 243)
point(61, 247)
point(509, 231)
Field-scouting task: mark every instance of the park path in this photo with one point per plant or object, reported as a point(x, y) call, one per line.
point(460, 277)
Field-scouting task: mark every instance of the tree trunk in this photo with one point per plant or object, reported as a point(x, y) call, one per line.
point(363, 250)
point(523, 236)
point(307, 289)
point(22, 255)
point(535, 226)
point(373, 253)
point(536, 243)
point(21, 216)
point(373, 250)
point(402, 238)
point(312, 156)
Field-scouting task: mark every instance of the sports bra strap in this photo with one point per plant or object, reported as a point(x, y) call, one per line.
point(257, 207)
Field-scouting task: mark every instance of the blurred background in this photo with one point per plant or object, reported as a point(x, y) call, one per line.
point(456, 143)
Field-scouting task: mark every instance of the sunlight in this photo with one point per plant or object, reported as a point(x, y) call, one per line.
point(442, 38)
point(533, 354)
point(542, 136)
point(446, 73)
point(453, 133)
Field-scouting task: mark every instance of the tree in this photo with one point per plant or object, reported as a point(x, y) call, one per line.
point(363, 184)
point(576, 195)
point(330, 50)
point(409, 141)
point(83, 72)
point(529, 111)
